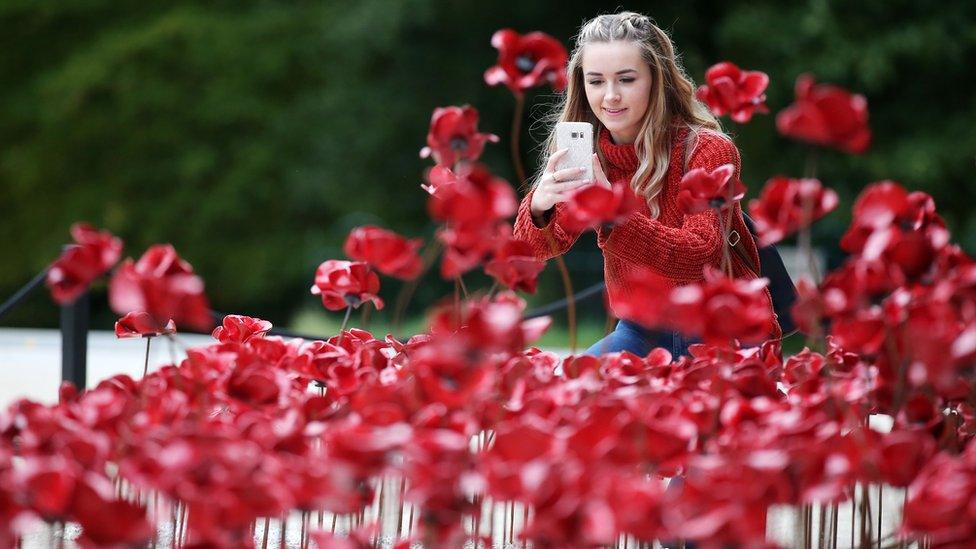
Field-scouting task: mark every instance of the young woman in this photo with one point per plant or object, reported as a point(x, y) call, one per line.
point(625, 79)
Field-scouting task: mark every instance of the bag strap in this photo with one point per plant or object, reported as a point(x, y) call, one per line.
point(735, 239)
point(740, 250)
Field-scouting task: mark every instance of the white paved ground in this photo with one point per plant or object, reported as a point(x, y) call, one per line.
point(30, 360)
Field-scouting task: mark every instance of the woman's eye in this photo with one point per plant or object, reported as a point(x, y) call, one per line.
point(595, 82)
point(626, 79)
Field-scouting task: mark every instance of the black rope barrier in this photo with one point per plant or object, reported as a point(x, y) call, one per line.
point(28, 289)
point(23, 293)
point(557, 306)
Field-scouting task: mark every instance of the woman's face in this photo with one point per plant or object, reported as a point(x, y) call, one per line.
point(618, 86)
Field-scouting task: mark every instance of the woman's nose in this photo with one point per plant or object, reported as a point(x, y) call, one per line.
point(613, 94)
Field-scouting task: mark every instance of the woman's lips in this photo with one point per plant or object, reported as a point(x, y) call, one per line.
point(616, 112)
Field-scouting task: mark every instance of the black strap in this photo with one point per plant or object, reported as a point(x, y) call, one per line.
point(740, 250)
point(735, 239)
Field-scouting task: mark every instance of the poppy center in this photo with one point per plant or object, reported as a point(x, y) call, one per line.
point(458, 143)
point(525, 63)
point(450, 383)
point(716, 202)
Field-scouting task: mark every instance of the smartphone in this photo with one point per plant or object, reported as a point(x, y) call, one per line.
point(578, 138)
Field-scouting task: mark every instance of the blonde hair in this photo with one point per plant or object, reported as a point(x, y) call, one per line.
point(672, 104)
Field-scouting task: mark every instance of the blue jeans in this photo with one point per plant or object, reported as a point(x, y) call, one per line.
point(632, 337)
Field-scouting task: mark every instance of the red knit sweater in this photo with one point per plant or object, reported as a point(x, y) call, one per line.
point(675, 246)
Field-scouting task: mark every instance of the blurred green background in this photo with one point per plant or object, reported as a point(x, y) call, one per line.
point(254, 135)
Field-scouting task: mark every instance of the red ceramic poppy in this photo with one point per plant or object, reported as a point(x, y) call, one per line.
point(899, 227)
point(105, 520)
point(826, 115)
point(849, 297)
point(787, 205)
point(437, 177)
point(254, 384)
point(878, 206)
point(92, 255)
point(488, 324)
point(808, 309)
point(454, 136)
point(474, 196)
point(596, 206)
point(514, 265)
point(240, 329)
point(644, 298)
point(388, 252)
point(731, 90)
point(142, 324)
point(705, 309)
point(527, 61)
point(701, 189)
point(939, 504)
point(467, 245)
point(163, 285)
point(346, 283)
point(472, 205)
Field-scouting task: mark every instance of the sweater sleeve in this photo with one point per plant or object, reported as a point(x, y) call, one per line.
point(549, 241)
point(679, 253)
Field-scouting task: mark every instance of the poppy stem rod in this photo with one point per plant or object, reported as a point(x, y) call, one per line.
point(516, 130)
point(805, 240)
point(406, 292)
point(145, 366)
point(570, 302)
point(810, 170)
point(805, 236)
point(342, 329)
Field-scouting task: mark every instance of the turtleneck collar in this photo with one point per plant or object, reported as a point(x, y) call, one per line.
point(621, 157)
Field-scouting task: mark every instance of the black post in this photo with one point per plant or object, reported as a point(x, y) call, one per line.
point(74, 341)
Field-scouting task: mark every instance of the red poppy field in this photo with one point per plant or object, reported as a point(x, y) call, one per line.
point(377, 441)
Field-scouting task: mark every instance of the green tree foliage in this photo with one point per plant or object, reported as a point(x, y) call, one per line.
point(253, 135)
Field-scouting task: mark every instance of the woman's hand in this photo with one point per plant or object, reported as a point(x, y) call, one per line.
point(599, 177)
point(556, 185)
